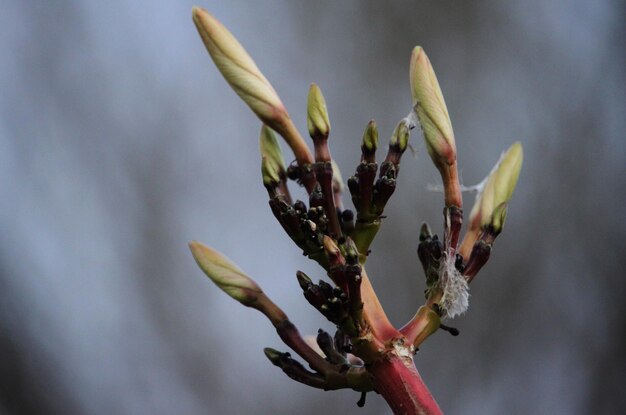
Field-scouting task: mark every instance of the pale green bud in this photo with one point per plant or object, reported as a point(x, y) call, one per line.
point(370, 137)
point(317, 114)
point(508, 173)
point(273, 355)
point(498, 217)
point(270, 149)
point(491, 202)
point(431, 109)
point(225, 274)
point(246, 79)
point(400, 136)
point(269, 171)
point(239, 69)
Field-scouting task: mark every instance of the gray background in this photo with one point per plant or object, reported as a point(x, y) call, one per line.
point(120, 142)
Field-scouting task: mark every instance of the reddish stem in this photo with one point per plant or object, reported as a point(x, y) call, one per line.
point(398, 381)
point(451, 185)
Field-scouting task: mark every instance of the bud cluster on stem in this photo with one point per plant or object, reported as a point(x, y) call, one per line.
point(367, 353)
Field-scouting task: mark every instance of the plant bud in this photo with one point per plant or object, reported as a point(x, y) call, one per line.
point(304, 280)
point(225, 274)
point(331, 248)
point(269, 147)
point(498, 218)
point(431, 109)
point(490, 206)
point(246, 79)
point(273, 355)
point(272, 163)
point(238, 68)
point(370, 137)
point(317, 114)
point(400, 136)
point(269, 172)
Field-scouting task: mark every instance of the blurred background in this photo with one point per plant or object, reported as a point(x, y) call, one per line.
point(120, 142)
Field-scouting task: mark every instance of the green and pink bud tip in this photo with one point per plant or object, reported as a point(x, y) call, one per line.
point(317, 115)
point(243, 75)
point(272, 164)
point(431, 110)
point(400, 136)
point(370, 142)
point(490, 207)
point(226, 275)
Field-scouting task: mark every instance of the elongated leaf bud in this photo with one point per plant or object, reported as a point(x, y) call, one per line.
point(246, 79)
point(370, 138)
point(269, 148)
point(225, 274)
point(317, 115)
point(270, 173)
point(490, 206)
point(400, 136)
point(273, 355)
point(238, 68)
point(431, 109)
point(498, 217)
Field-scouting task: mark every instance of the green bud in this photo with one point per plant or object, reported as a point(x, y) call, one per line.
point(269, 172)
point(400, 136)
point(498, 218)
point(272, 163)
point(317, 114)
point(225, 274)
point(239, 69)
point(370, 137)
point(247, 81)
point(269, 147)
point(508, 173)
point(431, 109)
point(491, 202)
point(273, 355)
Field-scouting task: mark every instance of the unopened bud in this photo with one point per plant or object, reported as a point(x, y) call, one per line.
point(269, 148)
point(490, 206)
point(272, 163)
point(370, 137)
point(400, 136)
point(269, 172)
point(246, 79)
point(498, 218)
point(425, 232)
point(304, 280)
point(431, 109)
point(331, 248)
point(273, 355)
point(238, 68)
point(317, 114)
point(225, 274)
